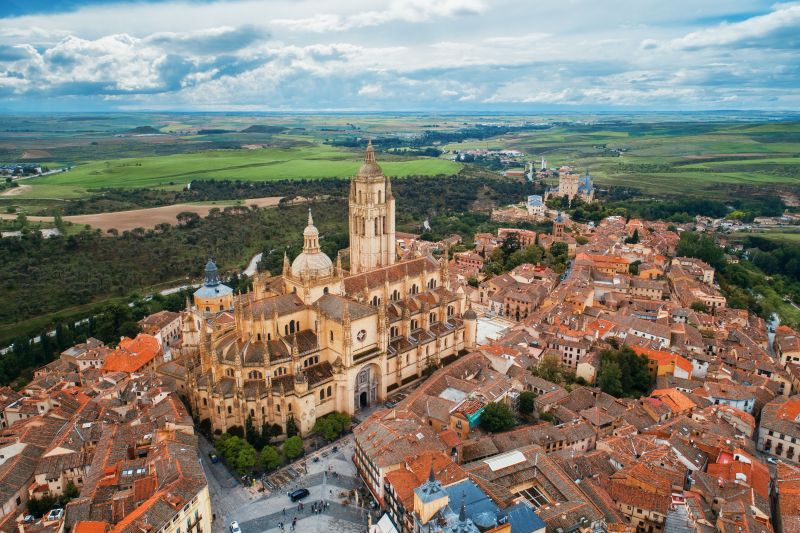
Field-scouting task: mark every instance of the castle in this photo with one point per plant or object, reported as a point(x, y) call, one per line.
point(317, 338)
point(572, 185)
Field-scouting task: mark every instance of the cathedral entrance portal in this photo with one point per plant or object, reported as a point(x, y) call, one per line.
point(366, 388)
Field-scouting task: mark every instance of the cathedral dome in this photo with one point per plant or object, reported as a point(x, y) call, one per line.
point(314, 265)
point(312, 262)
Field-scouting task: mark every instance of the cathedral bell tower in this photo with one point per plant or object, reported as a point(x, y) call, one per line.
point(372, 240)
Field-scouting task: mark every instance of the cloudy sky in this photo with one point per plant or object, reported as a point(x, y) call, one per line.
point(445, 55)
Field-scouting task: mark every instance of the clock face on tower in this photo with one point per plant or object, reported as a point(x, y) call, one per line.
point(361, 335)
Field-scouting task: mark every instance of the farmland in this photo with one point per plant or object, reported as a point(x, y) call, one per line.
point(247, 165)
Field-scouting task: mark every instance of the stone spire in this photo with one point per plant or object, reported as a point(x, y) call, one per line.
point(285, 263)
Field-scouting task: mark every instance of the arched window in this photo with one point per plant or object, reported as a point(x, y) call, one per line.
point(252, 413)
point(229, 372)
point(414, 324)
point(205, 402)
point(451, 310)
point(325, 290)
point(393, 331)
point(291, 326)
point(414, 289)
point(258, 337)
point(331, 335)
point(230, 410)
point(221, 308)
point(207, 309)
point(286, 330)
point(432, 318)
point(395, 295)
point(321, 394)
point(289, 408)
point(277, 407)
point(329, 390)
point(432, 283)
point(376, 301)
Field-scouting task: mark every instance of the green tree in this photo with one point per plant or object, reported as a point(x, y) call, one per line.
point(497, 417)
point(331, 426)
point(291, 428)
point(270, 458)
point(699, 306)
point(550, 368)
point(609, 379)
point(526, 402)
point(623, 372)
point(293, 447)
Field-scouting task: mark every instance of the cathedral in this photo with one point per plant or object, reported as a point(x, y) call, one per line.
point(319, 338)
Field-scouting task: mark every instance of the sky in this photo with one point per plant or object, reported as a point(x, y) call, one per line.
point(398, 55)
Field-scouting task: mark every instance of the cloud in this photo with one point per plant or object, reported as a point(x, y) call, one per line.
point(412, 11)
point(778, 29)
point(404, 54)
point(210, 41)
point(370, 89)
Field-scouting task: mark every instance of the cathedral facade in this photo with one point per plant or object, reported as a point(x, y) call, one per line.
point(318, 338)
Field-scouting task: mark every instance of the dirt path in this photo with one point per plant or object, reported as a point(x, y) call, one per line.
point(13, 191)
point(146, 218)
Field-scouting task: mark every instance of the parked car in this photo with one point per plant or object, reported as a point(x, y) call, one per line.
point(235, 527)
point(298, 494)
point(214, 457)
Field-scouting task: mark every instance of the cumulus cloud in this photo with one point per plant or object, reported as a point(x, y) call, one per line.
point(406, 54)
point(778, 29)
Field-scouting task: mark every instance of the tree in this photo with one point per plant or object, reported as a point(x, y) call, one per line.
point(291, 428)
point(550, 368)
point(633, 239)
point(609, 379)
point(293, 447)
point(526, 402)
point(624, 373)
point(332, 425)
point(497, 417)
point(633, 268)
point(270, 458)
point(699, 306)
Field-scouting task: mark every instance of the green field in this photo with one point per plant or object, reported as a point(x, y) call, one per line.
point(667, 158)
point(247, 165)
point(709, 155)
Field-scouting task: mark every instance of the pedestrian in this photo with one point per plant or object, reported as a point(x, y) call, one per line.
point(284, 511)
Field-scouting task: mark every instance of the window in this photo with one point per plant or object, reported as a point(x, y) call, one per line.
point(331, 335)
point(205, 402)
point(329, 390)
point(322, 395)
point(230, 410)
point(277, 407)
point(325, 290)
point(290, 408)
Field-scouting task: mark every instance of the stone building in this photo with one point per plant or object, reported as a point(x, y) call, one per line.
point(317, 338)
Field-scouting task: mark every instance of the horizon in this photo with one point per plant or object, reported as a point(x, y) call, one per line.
point(398, 56)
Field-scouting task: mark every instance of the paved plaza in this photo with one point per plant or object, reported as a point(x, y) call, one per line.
point(331, 480)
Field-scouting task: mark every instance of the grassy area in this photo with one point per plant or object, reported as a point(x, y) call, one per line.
point(247, 165)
